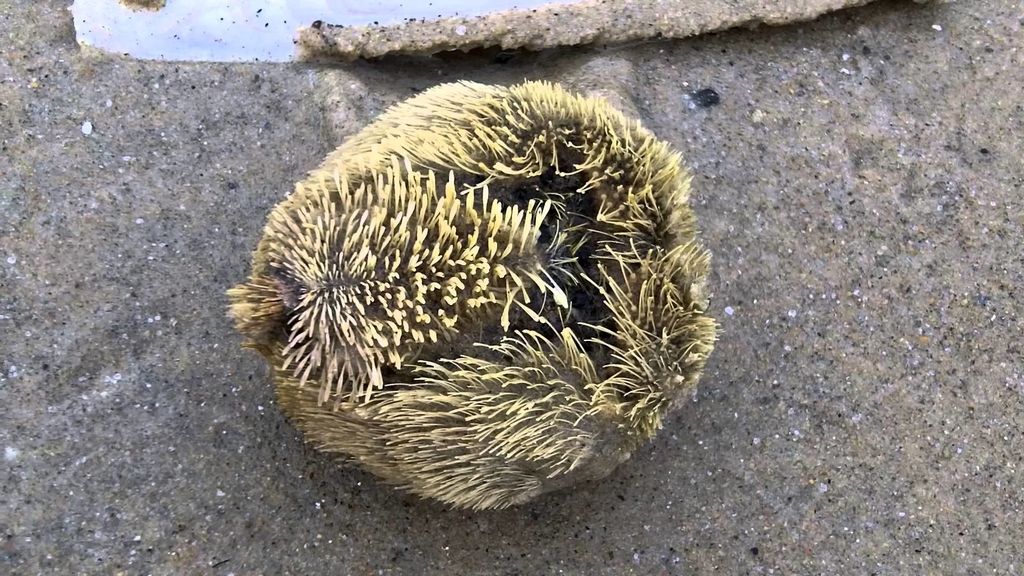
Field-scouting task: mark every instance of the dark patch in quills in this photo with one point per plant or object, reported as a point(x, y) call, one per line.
point(586, 310)
point(291, 290)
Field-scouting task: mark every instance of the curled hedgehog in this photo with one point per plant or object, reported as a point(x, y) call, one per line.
point(486, 294)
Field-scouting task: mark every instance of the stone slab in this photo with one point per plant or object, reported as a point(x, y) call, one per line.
point(584, 22)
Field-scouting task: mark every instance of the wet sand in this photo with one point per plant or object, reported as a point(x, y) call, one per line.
point(857, 178)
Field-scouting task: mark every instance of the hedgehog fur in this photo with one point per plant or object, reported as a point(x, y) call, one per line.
point(486, 294)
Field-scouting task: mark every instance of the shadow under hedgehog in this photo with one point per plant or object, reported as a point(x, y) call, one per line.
point(486, 294)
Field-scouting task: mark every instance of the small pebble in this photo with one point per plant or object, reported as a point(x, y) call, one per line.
point(87, 128)
point(460, 30)
point(705, 97)
point(11, 453)
point(729, 311)
point(12, 259)
point(937, 27)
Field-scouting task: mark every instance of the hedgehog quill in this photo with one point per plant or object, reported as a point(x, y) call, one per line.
point(487, 294)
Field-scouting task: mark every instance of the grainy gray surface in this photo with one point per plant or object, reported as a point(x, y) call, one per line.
point(859, 184)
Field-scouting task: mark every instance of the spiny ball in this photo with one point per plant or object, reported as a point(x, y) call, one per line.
point(486, 294)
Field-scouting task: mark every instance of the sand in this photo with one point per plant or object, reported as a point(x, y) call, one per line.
point(858, 181)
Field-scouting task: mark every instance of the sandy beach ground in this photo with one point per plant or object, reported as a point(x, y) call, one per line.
point(857, 178)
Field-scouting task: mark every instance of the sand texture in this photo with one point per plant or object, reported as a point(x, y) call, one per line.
point(858, 180)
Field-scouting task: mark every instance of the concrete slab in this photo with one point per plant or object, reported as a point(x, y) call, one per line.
point(555, 24)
